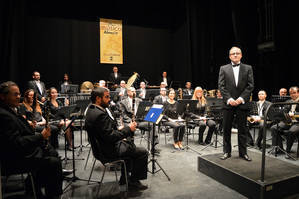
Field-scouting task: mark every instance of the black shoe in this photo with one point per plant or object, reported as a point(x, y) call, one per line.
point(202, 143)
point(137, 185)
point(225, 156)
point(246, 157)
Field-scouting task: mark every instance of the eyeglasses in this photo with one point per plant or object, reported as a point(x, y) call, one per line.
point(235, 53)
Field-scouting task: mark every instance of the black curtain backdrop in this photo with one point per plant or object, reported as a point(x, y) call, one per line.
point(190, 39)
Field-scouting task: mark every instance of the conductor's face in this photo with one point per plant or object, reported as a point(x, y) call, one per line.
point(235, 55)
point(104, 101)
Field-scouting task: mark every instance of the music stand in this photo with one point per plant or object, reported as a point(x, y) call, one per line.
point(187, 106)
point(151, 94)
point(69, 89)
point(72, 113)
point(82, 105)
point(143, 108)
point(154, 116)
point(277, 114)
point(214, 110)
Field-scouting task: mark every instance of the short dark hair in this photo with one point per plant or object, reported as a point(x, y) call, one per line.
point(97, 92)
point(5, 86)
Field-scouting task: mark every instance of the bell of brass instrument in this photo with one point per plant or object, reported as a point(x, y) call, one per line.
point(180, 93)
point(250, 119)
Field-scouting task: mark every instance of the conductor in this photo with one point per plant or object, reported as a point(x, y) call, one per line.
point(236, 84)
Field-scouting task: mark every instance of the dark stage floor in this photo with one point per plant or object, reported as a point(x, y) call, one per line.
point(182, 168)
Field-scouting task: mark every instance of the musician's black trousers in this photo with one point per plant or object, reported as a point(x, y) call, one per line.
point(136, 163)
point(178, 130)
point(241, 118)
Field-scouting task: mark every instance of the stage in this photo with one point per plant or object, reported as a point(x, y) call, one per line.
point(281, 178)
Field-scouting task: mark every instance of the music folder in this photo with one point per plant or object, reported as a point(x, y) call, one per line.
point(154, 115)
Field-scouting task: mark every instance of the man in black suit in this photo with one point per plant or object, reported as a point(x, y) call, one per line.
point(236, 84)
point(38, 86)
point(22, 149)
point(188, 90)
point(166, 79)
point(115, 77)
point(102, 125)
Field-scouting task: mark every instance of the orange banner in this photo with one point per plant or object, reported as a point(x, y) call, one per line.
point(111, 43)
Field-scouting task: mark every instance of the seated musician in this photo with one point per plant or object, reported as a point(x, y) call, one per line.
point(128, 108)
point(293, 127)
point(30, 109)
point(261, 107)
point(188, 90)
point(22, 149)
point(162, 98)
point(204, 123)
point(172, 119)
point(122, 91)
point(142, 90)
point(54, 105)
point(283, 92)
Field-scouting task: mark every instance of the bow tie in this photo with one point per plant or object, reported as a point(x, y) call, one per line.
point(236, 65)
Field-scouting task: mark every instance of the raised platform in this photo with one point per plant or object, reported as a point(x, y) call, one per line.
point(281, 177)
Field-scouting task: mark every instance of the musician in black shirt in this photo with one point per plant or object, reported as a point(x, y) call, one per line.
point(172, 117)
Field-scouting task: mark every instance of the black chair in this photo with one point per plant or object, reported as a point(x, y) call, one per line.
point(9, 172)
point(107, 163)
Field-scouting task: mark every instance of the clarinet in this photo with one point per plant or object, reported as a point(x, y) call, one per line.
point(133, 116)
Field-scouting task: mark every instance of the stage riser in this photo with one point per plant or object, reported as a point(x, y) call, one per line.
point(248, 187)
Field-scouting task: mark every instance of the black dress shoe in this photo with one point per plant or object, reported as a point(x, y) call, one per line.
point(246, 157)
point(137, 185)
point(225, 156)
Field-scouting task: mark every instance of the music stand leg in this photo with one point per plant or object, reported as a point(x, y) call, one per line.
point(153, 159)
point(275, 149)
point(187, 141)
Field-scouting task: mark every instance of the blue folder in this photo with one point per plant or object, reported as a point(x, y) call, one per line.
point(154, 114)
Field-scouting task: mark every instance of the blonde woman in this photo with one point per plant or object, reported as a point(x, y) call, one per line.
point(171, 114)
point(199, 112)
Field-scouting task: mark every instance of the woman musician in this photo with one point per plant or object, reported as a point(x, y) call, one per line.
point(31, 110)
point(172, 117)
point(54, 105)
point(199, 113)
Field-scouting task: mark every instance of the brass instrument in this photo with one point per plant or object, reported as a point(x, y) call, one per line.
point(211, 93)
point(180, 93)
point(86, 87)
point(205, 92)
point(250, 119)
point(131, 80)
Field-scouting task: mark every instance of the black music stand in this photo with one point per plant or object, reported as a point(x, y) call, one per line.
point(72, 113)
point(154, 116)
point(187, 106)
point(277, 114)
point(214, 110)
point(82, 105)
point(64, 113)
point(143, 108)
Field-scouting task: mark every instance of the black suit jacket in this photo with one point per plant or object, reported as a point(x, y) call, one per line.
point(102, 127)
point(32, 85)
point(113, 79)
point(17, 139)
point(228, 88)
